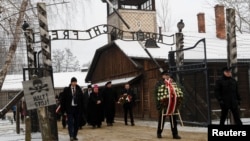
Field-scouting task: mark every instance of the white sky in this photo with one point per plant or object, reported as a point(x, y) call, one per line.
point(93, 12)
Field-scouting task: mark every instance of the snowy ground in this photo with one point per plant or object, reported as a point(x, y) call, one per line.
point(8, 129)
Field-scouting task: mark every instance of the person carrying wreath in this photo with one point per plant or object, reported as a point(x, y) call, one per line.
point(127, 99)
point(166, 97)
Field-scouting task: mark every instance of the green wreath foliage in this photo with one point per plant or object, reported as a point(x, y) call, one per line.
point(162, 95)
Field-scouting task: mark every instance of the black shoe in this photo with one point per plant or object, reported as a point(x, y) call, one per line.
point(126, 123)
point(71, 139)
point(159, 136)
point(75, 139)
point(132, 124)
point(176, 137)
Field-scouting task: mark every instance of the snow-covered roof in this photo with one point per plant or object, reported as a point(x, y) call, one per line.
point(117, 81)
point(215, 48)
point(62, 79)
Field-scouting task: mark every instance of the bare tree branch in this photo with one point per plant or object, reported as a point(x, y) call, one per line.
point(6, 30)
point(14, 43)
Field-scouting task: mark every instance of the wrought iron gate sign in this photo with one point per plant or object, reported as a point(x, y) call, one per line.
point(112, 30)
point(38, 93)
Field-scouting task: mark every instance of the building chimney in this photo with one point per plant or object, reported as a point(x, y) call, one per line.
point(220, 21)
point(201, 23)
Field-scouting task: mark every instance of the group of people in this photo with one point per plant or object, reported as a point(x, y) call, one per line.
point(92, 106)
point(97, 106)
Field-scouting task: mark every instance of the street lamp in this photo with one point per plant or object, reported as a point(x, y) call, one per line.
point(180, 25)
point(25, 25)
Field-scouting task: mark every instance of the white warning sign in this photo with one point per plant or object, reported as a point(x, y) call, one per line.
point(39, 92)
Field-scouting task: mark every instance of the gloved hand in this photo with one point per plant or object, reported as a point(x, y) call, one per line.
point(239, 103)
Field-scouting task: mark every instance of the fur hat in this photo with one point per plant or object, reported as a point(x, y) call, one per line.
point(95, 86)
point(226, 69)
point(166, 72)
point(89, 86)
point(109, 82)
point(73, 79)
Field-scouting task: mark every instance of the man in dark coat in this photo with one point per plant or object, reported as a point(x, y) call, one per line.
point(72, 104)
point(109, 99)
point(226, 92)
point(128, 104)
point(165, 81)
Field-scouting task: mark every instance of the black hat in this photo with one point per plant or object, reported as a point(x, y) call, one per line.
point(73, 79)
point(226, 68)
point(166, 72)
point(89, 86)
point(109, 82)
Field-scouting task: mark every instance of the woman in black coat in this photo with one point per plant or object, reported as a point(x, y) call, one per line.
point(95, 108)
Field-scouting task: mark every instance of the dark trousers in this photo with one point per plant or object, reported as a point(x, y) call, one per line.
point(236, 115)
point(173, 124)
point(128, 108)
point(14, 115)
point(73, 122)
point(64, 121)
point(110, 113)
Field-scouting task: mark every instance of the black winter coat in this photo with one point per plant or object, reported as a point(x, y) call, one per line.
point(226, 92)
point(95, 111)
point(66, 99)
point(132, 94)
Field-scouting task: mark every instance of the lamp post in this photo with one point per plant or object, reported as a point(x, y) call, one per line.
point(180, 25)
point(25, 25)
point(28, 32)
point(179, 47)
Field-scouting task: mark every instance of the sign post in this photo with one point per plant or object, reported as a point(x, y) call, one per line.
point(38, 94)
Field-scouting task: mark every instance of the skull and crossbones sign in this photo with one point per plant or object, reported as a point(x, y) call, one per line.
point(38, 86)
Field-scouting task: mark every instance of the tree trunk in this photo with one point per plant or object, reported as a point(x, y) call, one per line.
point(14, 43)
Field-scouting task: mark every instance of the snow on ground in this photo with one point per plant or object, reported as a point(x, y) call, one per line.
point(8, 128)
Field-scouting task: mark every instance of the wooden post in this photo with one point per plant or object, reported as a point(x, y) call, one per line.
point(231, 46)
point(27, 129)
point(47, 115)
point(31, 64)
point(179, 55)
point(18, 117)
point(44, 124)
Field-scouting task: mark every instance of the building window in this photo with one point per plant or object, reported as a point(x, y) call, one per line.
point(147, 5)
